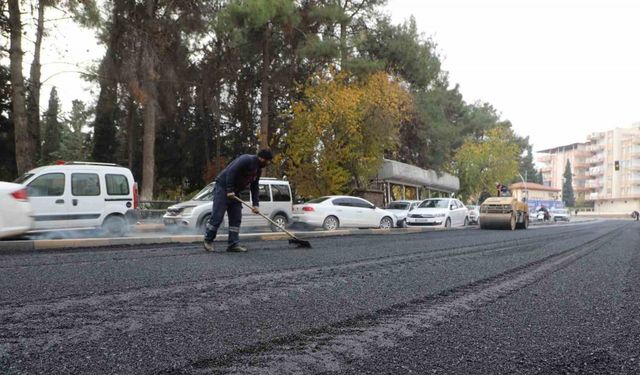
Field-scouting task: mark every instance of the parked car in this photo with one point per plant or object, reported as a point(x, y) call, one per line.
point(474, 214)
point(401, 209)
point(192, 215)
point(445, 212)
point(341, 211)
point(15, 210)
point(559, 214)
point(82, 195)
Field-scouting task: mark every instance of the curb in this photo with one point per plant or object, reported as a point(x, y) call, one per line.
point(67, 244)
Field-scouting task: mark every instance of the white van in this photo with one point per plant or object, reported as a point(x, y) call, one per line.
point(275, 202)
point(82, 195)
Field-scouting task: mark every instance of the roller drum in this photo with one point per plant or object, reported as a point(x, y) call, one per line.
point(496, 221)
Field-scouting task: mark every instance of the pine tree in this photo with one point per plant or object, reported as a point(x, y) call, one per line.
point(567, 188)
point(51, 129)
point(73, 145)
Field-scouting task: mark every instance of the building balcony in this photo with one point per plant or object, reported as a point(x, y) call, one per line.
point(544, 158)
point(581, 165)
point(583, 153)
point(545, 169)
point(596, 171)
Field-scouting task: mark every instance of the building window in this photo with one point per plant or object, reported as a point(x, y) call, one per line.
point(410, 193)
point(396, 192)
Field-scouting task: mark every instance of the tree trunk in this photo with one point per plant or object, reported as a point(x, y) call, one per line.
point(34, 98)
point(149, 87)
point(131, 108)
point(148, 149)
point(343, 44)
point(24, 156)
point(264, 100)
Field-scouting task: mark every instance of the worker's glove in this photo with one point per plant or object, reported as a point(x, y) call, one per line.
point(255, 210)
point(231, 195)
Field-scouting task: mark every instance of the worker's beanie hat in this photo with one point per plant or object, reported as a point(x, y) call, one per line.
point(265, 154)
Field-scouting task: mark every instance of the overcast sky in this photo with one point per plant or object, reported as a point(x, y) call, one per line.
point(558, 70)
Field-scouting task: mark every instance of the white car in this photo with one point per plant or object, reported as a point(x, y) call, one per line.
point(474, 214)
point(559, 214)
point(82, 195)
point(15, 210)
point(401, 209)
point(444, 212)
point(275, 203)
point(341, 211)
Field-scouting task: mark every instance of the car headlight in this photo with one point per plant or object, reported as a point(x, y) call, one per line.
point(187, 211)
point(440, 215)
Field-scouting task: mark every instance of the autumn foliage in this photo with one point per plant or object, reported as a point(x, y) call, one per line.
point(341, 130)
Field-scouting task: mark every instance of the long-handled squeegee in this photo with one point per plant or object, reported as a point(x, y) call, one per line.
point(293, 240)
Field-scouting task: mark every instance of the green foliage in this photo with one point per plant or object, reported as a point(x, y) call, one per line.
point(75, 145)
point(52, 129)
point(8, 169)
point(567, 186)
point(481, 164)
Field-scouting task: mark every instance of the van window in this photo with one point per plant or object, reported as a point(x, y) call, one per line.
point(85, 184)
point(47, 185)
point(117, 184)
point(264, 195)
point(245, 195)
point(281, 193)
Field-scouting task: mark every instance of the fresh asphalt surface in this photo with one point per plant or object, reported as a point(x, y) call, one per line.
point(552, 299)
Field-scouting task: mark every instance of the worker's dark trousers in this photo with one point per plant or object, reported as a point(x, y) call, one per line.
point(222, 204)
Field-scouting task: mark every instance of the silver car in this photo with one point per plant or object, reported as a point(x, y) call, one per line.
point(401, 209)
point(192, 215)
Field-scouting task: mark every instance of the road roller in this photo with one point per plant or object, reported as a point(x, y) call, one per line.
point(504, 213)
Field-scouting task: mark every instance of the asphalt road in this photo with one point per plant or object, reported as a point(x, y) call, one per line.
point(552, 299)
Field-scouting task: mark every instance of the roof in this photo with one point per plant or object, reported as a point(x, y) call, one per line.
point(572, 146)
point(532, 186)
point(396, 171)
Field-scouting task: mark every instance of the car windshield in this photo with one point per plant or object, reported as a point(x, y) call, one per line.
point(397, 206)
point(472, 207)
point(23, 178)
point(435, 203)
point(205, 194)
point(559, 211)
point(318, 200)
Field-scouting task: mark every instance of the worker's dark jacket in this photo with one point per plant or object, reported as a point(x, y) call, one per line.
point(245, 170)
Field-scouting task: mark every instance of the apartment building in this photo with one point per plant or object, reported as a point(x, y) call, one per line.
point(553, 163)
point(605, 169)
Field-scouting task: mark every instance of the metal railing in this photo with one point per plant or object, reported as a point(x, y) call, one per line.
point(153, 210)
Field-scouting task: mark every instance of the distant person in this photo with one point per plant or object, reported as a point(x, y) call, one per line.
point(635, 215)
point(242, 172)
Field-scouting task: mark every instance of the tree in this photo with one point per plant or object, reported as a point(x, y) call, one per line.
point(480, 164)
point(74, 144)
point(52, 129)
point(340, 131)
point(567, 186)
point(25, 154)
point(527, 168)
point(8, 171)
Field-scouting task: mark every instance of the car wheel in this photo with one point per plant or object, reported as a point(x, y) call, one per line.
point(202, 227)
point(386, 223)
point(331, 223)
point(447, 223)
point(281, 220)
point(466, 222)
point(403, 224)
point(114, 225)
